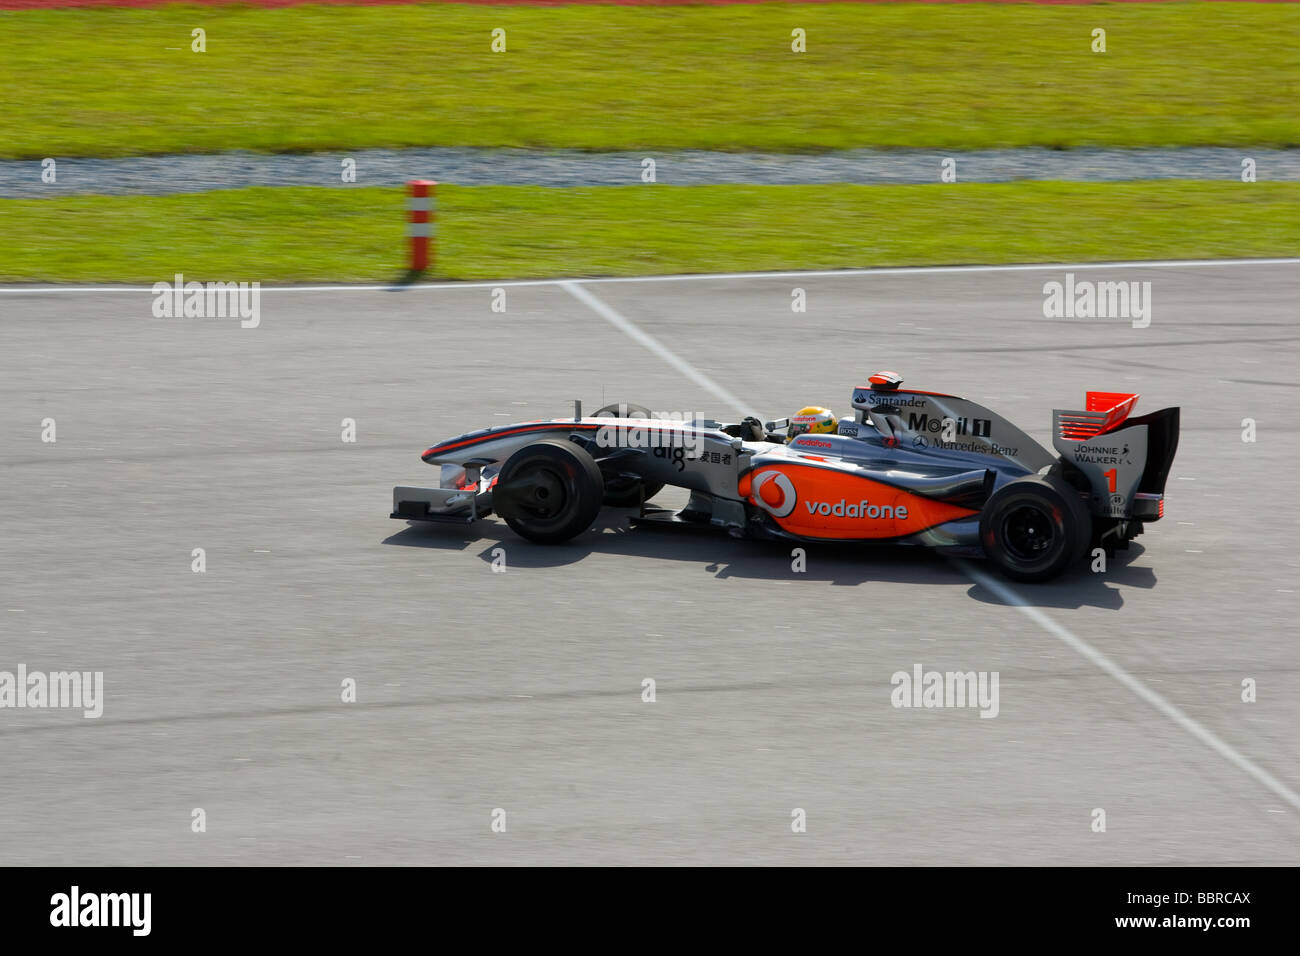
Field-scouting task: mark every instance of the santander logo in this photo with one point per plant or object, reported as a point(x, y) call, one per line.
point(774, 493)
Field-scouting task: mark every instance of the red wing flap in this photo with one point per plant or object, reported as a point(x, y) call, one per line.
point(1105, 412)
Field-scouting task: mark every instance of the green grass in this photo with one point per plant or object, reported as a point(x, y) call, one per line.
point(302, 234)
point(102, 81)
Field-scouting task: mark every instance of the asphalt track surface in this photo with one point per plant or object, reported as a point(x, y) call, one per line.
point(522, 690)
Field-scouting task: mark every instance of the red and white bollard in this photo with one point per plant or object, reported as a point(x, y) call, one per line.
point(420, 221)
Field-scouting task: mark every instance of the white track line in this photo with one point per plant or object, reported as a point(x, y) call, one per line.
point(1003, 591)
point(654, 345)
point(707, 276)
point(1087, 651)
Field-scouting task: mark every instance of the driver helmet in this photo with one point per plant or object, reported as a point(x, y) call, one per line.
point(813, 420)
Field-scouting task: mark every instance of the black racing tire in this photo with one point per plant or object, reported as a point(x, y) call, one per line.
point(627, 492)
point(1034, 528)
point(549, 491)
point(622, 410)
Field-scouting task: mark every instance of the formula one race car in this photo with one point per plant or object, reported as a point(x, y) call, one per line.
point(912, 467)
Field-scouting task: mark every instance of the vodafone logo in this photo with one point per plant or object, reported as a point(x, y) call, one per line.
point(860, 509)
point(773, 492)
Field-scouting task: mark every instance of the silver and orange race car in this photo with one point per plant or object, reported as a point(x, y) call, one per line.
point(908, 467)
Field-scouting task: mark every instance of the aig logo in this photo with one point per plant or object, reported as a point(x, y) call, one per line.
point(774, 493)
point(676, 454)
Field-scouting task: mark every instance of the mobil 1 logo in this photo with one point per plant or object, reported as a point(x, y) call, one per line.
point(956, 434)
point(952, 428)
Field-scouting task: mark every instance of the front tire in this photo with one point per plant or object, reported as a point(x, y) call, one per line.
point(620, 491)
point(549, 491)
point(1033, 528)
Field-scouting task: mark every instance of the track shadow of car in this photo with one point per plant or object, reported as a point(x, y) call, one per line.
point(725, 557)
point(1081, 586)
point(721, 555)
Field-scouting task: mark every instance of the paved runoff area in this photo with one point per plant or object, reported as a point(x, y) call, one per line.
point(1119, 695)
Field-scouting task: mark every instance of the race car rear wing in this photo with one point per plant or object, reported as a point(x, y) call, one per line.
point(1105, 412)
point(1125, 460)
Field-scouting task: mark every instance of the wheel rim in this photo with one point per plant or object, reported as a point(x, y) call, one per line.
point(1029, 533)
point(543, 493)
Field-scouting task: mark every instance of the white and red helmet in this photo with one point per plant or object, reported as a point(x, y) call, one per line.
point(813, 420)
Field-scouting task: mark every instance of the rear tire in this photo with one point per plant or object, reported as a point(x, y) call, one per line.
point(1034, 528)
point(627, 492)
point(549, 491)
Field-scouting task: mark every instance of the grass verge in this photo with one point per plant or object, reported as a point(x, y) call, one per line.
point(306, 234)
point(113, 82)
